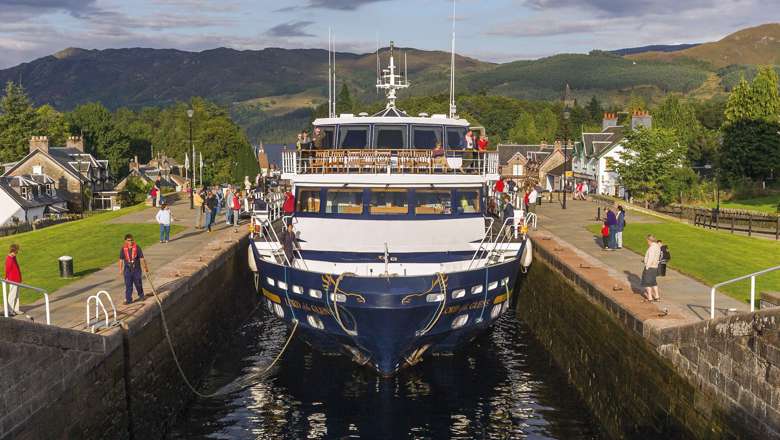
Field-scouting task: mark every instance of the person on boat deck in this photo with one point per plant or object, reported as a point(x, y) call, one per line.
point(289, 243)
point(438, 156)
point(509, 213)
point(483, 143)
point(131, 258)
point(318, 140)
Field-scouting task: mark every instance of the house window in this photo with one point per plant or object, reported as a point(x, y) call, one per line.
point(37, 169)
point(25, 192)
point(517, 170)
point(50, 189)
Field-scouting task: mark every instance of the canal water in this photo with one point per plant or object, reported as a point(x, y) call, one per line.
point(502, 386)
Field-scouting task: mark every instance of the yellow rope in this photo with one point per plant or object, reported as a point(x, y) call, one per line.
point(442, 279)
point(176, 358)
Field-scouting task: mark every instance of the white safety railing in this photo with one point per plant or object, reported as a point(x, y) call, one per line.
point(96, 298)
point(500, 244)
point(6, 288)
point(752, 278)
point(531, 219)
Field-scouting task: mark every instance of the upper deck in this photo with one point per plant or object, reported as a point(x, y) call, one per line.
point(420, 162)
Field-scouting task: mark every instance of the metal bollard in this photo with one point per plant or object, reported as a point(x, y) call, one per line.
point(598, 213)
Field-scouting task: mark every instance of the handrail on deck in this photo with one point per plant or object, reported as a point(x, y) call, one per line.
point(25, 286)
point(752, 277)
point(399, 160)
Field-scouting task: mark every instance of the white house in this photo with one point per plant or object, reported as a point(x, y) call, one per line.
point(600, 152)
point(27, 198)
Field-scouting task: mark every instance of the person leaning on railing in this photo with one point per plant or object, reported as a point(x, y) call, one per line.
point(439, 160)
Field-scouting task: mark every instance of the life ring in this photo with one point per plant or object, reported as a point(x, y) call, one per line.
point(252, 262)
point(527, 258)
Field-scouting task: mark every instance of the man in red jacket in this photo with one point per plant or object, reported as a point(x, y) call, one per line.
point(13, 273)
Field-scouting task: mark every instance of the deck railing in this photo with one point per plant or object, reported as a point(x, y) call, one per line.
point(389, 161)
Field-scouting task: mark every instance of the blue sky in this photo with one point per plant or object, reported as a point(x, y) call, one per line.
point(492, 30)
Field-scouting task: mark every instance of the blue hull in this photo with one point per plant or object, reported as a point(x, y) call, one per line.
point(388, 323)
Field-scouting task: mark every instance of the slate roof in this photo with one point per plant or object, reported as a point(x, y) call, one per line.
point(11, 186)
point(508, 151)
point(596, 144)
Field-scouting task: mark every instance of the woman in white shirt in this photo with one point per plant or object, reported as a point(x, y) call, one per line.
point(650, 271)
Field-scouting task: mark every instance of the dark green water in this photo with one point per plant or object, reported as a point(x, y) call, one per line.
point(502, 386)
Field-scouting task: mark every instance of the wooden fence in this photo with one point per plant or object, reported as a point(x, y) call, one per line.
point(42, 223)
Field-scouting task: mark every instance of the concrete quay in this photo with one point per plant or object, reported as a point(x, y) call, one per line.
point(646, 372)
point(62, 381)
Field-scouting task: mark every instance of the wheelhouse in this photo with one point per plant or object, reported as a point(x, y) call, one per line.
point(350, 132)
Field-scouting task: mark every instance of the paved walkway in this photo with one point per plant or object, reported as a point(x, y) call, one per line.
point(68, 304)
point(679, 293)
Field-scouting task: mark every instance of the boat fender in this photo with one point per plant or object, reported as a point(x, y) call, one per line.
point(252, 262)
point(527, 257)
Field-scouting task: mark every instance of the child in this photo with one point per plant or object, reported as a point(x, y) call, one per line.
point(665, 257)
point(605, 235)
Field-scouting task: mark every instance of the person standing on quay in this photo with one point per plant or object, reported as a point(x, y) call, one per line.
point(235, 208)
point(14, 274)
point(612, 224)
point(164, 219)
point(650, 271)
point(131, 258)
point(533, 198)
point(198, 202)
point(211, 209)
point(619, 226)
point(229, 205)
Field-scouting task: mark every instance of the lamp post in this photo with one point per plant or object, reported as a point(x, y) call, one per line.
point(190, 113)
point(566, 115)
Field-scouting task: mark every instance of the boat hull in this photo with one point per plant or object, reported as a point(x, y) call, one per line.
point(388, 323)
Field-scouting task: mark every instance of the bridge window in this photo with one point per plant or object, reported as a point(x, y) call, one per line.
point(437, 202)
point(456, 137)
point(344, 201)
point(426, 136)
point(309, 200)
point(353, 136)
point(468, 201)
point(389, 202)
point(390, 137)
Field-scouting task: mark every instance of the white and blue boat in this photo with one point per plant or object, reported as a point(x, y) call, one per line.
point(397, 257)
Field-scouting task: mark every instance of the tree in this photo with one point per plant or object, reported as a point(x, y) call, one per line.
point(649, 163)
point(739, 106)
point(53, 124)
point(595, 110)
point(18, 122)
point(751, 149)
point(344, 102)
point(764, 95)
point(524, 132)
point(101, 136)
point(547, 125)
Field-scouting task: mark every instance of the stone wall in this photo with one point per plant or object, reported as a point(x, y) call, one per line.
point(123, 384)
point(646, 381)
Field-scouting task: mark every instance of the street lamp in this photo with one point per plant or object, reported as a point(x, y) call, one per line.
point(190, 113)
point(566, 115)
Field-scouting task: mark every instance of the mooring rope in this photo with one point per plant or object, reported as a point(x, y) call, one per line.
point(178, 364)
point(442, 280)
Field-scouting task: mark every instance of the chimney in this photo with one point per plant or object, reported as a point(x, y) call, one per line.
point(39, 143)
point(641, 119)
point(76, 142)
point(610, 120)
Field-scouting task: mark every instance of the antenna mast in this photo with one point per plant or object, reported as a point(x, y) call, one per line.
point(330, 74)
point(333, 45)
point(391, 81)
point(377, 62)
point(453, 107)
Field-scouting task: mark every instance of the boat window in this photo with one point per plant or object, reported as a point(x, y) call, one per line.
point(390, 137)
point(433, 202)
point(468, 201)
point(309, 200)
point(330, 132)
point(389, 202)
point(344, 201)
point(456, 137)
point(353, 136)
point(426, 136)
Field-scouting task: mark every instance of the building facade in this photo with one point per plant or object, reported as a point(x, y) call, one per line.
point(29, 198)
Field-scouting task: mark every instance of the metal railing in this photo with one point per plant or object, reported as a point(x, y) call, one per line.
point(389, 161)
point(752, 278)
point(499, 245)
point(271, 233)
point(531, 219)
point(19, 286)
point(98, 306)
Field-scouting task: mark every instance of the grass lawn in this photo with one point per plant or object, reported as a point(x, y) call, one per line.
point(710, 256)
point(92, 242)
point(767, 204)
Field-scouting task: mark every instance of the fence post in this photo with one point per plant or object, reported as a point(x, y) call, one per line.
point(750, 225)
point(732, 222)
point(753, 293)
point(598, 214)
point(777, 228)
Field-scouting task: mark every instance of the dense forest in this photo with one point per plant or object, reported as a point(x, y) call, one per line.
point(124, 133)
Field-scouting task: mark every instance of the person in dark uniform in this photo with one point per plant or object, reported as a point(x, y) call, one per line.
point(288, 243)
point(131, 258)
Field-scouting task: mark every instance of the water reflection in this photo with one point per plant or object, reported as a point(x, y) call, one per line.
point(502, 386)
